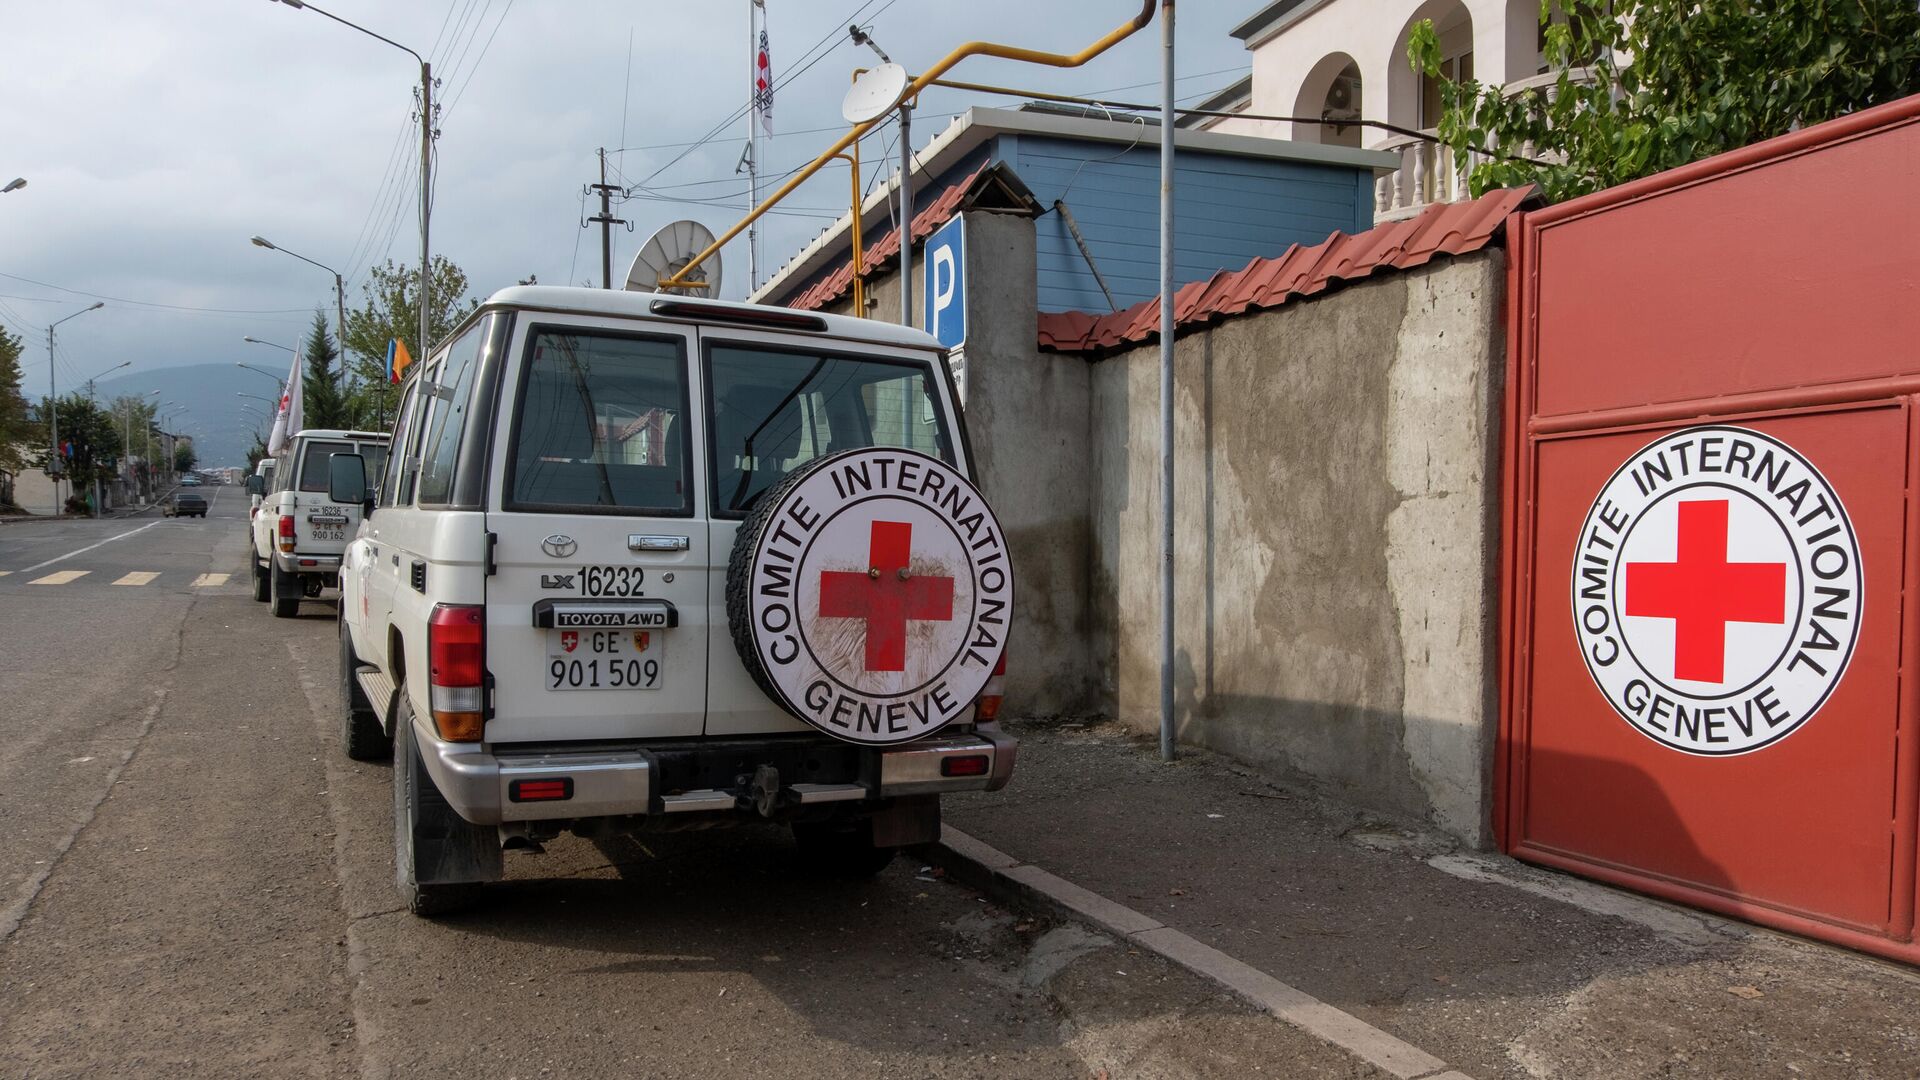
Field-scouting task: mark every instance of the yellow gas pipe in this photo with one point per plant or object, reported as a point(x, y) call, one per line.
point(921, 82)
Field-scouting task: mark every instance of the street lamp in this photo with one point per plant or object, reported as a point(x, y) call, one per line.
point(427, 109)
point(339, 291)
point(53, 413)
point(257, 341)
point(14, 184)
point(263, 371)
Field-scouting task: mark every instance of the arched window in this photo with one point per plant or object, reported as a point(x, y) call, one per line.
point(1331, 92)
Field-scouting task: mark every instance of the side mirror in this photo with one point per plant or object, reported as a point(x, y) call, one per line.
point(256, 485)
point(347, 479)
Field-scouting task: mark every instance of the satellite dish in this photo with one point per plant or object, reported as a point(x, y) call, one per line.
point(668, 252)
point(874, 93)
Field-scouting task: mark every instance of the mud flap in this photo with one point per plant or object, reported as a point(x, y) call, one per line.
point(445, 848)
point(912, 819)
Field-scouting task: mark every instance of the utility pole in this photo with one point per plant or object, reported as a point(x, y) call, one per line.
point(54, 465)
point(426, 203)
point(906, 213)
point(607, 222)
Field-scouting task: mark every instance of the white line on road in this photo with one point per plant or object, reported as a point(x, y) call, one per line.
point(138, 577)
point(208, 581)
point(60, 577)
point(89, 547)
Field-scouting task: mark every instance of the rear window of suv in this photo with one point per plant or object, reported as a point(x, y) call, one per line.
point(313, 463)
point(776, 410)
point(601, 425)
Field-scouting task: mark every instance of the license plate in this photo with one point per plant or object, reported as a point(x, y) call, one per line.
point(605, 659)
point(329, 534)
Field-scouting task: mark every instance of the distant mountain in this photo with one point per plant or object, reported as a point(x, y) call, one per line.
point(208, 405)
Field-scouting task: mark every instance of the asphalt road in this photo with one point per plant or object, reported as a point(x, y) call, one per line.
point(194, 881)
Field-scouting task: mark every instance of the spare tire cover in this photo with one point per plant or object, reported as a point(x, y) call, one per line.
point(870, 594)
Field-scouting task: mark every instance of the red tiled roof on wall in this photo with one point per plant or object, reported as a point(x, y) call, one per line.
point(885, 250)
point(1443, 228)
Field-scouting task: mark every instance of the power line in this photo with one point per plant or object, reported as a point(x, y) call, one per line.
point(504, 12)
point(154, 304)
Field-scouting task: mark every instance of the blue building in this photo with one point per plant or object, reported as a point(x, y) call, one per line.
point(1236, 198)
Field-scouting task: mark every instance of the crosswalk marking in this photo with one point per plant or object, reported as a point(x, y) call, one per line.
point(138, 577)
point(208, 581)
point(4, 573)
point(60, 577)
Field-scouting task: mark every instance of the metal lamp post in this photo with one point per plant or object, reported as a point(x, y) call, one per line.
point(339, 296)
point(861, 37)
point(126, 453)
point(99, 493)
point(426, 158)
point(14, 184)
point(54, 468)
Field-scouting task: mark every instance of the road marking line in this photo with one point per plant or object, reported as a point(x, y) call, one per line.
point(138, 577)
point(60, 577)
point(89, 547)
point(4, 573)
point(208, 581)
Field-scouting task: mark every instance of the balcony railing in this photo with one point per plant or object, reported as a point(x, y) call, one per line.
point(1427, 174)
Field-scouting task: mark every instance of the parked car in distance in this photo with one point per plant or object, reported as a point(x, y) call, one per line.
point(190, 480)
point(185, 504)
point(639, 562)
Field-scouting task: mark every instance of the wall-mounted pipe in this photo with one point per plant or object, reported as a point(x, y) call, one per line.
point(925, 79)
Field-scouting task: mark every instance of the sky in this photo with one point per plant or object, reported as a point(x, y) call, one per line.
point(157, 136)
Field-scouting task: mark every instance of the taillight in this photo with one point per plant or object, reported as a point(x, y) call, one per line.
point(986, 708)
point(286, 533)
point(456, 661)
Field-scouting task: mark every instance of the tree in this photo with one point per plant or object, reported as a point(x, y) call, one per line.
point(89, 444)
point(184, 459)
point(257, 451)
point(1647, 85)
point(18, 434)
point(135, 417)
point(325, 404)
point(392, 310)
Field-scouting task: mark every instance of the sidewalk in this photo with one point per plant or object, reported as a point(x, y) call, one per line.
point(1495, 968)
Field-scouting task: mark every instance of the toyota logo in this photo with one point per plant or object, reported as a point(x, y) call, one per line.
point(559, 545)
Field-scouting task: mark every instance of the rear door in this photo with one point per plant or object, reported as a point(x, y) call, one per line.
point(598, 612)
point(320, 525)
point(777, 402)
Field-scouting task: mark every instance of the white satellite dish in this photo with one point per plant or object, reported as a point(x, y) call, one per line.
point(874, 93)
point(668, 252)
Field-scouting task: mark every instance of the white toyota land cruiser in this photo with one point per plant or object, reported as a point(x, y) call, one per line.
point(644, 562)
point(298, 533)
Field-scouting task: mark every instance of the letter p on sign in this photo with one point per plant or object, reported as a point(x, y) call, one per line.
point(944, 285)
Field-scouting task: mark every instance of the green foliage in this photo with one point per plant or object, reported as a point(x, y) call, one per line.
point(94, 437)
point(324, 403)
point(136, 419)
point(257, 451)
point(1647, 85)
point(17, 432)
point(392, 310)
point(183, 456)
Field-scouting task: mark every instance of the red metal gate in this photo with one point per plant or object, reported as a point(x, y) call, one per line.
point(1709, 684)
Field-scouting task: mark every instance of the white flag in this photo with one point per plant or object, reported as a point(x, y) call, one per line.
point(763, 73)
point(289, 419)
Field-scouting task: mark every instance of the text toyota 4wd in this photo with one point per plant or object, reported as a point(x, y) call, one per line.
point(298, 532)
point(642, 562)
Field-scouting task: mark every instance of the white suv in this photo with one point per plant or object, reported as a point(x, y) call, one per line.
point(299, 533)
point(642, 562)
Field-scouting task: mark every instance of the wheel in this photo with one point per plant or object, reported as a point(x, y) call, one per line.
point(429, 838)
point(842, 848)
point(261, 588)
point(286, 592)
point(360, 731)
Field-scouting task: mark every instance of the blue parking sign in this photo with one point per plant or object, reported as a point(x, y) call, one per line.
point(944, 283)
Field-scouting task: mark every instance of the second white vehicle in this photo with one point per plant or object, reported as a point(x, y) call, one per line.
point(299, 533)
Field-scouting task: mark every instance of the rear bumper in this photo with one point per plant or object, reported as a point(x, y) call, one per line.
point(493, 786)
point(297, 563)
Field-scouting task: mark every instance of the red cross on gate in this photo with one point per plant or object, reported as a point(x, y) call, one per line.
point(886, 596)
point(1702, 592)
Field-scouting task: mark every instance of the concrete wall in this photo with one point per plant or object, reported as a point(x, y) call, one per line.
point(1336, 538)
point(1027, 412)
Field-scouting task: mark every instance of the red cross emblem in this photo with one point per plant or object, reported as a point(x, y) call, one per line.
point(1702, 592)
point(569, 639)
point(886, 596)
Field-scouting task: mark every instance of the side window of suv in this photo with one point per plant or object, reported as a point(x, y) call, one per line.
point(439, 448)
point(419, 412)
point(397, 452)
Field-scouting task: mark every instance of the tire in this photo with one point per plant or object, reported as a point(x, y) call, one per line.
point(427, 833)
point(842, 849)
point(284, 606)
point(261, 587)
point(360, 731)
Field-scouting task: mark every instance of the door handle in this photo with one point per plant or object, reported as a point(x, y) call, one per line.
point(637, 542)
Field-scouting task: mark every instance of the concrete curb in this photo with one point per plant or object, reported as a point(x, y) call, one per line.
point(993, 871)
